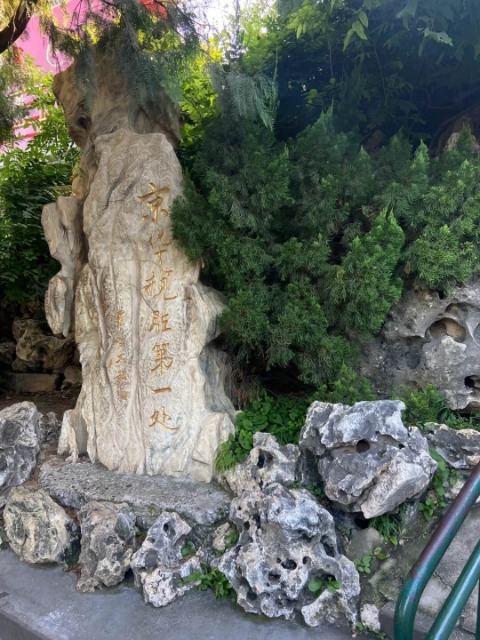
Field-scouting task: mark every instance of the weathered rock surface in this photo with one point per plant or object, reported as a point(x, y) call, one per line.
point(152, 399)
point(363, 542)
point(431, 338)
point(19, 445)
point(38, 529)
point(461, 449)
point(159, 566)
point(62, 223)
point(286, 541)
point(49, 427)
point(266, 463)
point(38, 351)
point(224, 537)
point(7, 352)
point(204, 506)
point(72, 377)
point(107, 545)
point(32, 382)
point(368, 460)
point(370, 617)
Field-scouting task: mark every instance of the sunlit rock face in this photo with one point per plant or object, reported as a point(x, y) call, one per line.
point(368, 460)
point(431, 338)
point(152, 398)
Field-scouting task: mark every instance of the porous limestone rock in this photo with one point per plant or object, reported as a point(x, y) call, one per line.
point(152, 398)
point(224, 537)
point(107, 544)
point(35, 350)
point(62, 222)
point(39, 531)
point(159, 566)
point(461, 449)
point(370, 617)
point(19, 445)
point(431, 338)
point(287, 540)
point(49, 427)
point(266, 463)
point(368, 460)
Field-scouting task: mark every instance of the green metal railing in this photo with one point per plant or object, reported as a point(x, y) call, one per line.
point(423, 569)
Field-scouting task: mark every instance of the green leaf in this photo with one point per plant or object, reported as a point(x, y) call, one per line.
point(357, 27)
point(315, 585)
point(438, 36)
point(362, 16)
point(348, 38)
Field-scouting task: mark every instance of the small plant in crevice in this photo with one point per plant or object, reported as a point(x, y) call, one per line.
point(443, 478)
point(283, 417)
point(389, 526)
point(316, 586)
point(364, 564)
point(215, 580)
point(189, 549)
point(231, 538)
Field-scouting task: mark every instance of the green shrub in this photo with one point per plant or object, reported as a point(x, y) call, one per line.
point(348, 388)
point(429, 405)
point(423, 405)
point(283, 417)
point(312, 241)
point(30, 178)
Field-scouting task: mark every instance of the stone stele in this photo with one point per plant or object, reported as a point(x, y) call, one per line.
point(152, 400)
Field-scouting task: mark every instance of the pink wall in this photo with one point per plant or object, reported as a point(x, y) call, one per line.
point(37, 46)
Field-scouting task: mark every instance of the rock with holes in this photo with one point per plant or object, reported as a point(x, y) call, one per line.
point(461, 449)
point(38, 529)
point(108, 541)
point(266, 463)
point(37, 350)
point(164, 561)
point(431, 338)
point(224, 537)
point(19, 445)
point(287, 560)
point(368, 460)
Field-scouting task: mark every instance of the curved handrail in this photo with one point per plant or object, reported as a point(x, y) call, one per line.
point(422, 571)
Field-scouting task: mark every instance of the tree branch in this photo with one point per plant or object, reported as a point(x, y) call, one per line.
point(16, 26)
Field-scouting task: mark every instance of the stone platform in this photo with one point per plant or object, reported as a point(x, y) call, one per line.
point(73, 484)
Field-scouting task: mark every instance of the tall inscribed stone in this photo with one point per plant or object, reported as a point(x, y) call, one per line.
point(152, 398)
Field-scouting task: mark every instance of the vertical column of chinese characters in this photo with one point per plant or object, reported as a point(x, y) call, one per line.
point(120, 371)
point(156, 290)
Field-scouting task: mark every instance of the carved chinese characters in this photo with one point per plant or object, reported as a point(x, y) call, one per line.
point(152, 399)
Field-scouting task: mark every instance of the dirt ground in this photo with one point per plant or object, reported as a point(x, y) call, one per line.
point(56, 401)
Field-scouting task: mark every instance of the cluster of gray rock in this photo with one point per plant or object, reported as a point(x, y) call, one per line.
point(430, 338)
point(37, 361)
point(276, 544)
